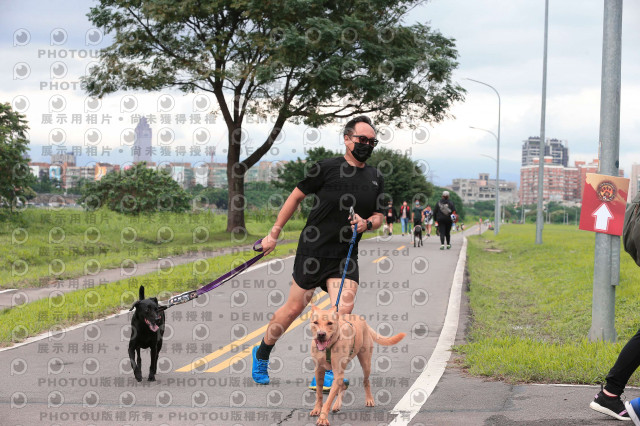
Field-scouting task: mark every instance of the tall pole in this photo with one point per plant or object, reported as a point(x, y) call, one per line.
point(496, 213)
point(606, 271)
point(540, 217)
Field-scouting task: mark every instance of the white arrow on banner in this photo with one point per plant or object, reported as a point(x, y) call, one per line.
point(602, 215)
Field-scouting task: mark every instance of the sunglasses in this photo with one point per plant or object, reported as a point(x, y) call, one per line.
point(363, 139)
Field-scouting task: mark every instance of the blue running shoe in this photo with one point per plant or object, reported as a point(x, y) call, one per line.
point(259, 369)
point(328, 381)
point(633, 408)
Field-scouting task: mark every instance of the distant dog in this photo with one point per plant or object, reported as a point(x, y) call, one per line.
point(147, 330)
point(417, 235)
point(337, 339)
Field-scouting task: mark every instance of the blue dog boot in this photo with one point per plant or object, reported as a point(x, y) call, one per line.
point(259, 369)
point(633, 408)
point(328, 381)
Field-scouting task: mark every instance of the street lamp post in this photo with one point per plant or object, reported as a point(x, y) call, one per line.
point(540, 217)
point(497, 211)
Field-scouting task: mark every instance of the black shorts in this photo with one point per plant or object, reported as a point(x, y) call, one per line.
point(310, 272)
point(390, 220)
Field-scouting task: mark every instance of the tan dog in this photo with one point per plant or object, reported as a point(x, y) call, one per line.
point(346, 336)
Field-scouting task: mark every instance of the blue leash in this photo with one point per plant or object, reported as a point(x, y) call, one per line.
point(346, 265)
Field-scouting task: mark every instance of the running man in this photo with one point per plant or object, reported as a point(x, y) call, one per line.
point(338, 183)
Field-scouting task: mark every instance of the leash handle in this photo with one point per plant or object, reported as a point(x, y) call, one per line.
point(193, 294)
point(346, 265)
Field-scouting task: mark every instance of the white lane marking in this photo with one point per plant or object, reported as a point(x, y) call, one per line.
point(65, 330)
point(419, 392)
point(48, 334)
point(8, 290)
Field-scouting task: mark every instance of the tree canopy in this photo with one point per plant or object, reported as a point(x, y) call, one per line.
point(136, 190)
point(15, 175)
point(403, 177)
point(296, 60)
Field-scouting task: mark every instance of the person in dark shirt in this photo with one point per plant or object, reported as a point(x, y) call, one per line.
point(442, 212)
point(417, 216)
point(391, 216)
point(338, 184)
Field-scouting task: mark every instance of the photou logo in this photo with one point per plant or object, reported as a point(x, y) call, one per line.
point(21, 37)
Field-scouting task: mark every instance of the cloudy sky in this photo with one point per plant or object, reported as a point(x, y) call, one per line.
point(47, 44)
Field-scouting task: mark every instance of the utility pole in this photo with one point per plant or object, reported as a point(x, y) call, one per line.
point(606, 271)
point(540, 216)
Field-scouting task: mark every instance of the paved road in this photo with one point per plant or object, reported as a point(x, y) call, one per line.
point(84, 377)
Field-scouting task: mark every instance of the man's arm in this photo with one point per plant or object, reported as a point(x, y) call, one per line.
point(288, 208)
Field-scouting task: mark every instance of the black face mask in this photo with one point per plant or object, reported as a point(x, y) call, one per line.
point(362, 152)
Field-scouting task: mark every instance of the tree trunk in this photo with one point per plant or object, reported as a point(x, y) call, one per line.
point(235, 179)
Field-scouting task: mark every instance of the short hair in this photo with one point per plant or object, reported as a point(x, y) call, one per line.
point(350, 127)
point(445, 194)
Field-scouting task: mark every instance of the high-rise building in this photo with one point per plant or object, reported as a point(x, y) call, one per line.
point(553, 188)
point(142, 146)
point(555, 148)
point(559, 183)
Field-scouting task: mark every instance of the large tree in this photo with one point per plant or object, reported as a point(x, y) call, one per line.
point(15, 175)
point(310, 61)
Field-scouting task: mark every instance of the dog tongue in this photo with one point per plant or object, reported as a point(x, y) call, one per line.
point(322, 345)
point(153, 327)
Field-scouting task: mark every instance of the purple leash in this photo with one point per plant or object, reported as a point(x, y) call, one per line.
point(190, 295)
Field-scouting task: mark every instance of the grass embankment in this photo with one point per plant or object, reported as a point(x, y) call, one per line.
point(531, 307)
point(21, 322)
point(42, 245)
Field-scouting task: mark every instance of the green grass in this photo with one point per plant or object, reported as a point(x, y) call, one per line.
point(37, 242)
point(531, 307)
point(19, 323)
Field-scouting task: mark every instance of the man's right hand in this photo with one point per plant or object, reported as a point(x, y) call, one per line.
point(268, 244)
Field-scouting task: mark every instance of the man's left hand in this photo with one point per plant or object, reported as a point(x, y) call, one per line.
point(362, 223)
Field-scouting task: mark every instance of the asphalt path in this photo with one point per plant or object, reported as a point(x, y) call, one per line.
point(83, 376)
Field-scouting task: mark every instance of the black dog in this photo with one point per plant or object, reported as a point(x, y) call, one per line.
point(417, 234)
point(147, 329)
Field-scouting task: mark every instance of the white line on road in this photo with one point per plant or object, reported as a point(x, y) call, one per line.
point(8, 290)
point(419, 392)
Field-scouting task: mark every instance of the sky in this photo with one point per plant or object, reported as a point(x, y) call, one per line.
point(47, 44)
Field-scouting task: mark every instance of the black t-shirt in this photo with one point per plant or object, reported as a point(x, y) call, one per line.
point(338, 186)
point(417, 215)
